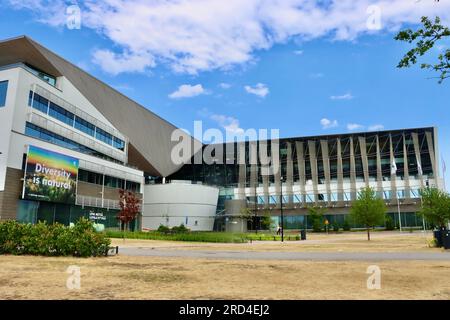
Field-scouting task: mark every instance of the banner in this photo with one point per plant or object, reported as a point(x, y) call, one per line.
point(50, 176)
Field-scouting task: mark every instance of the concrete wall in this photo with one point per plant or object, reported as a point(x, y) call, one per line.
point(180, 203)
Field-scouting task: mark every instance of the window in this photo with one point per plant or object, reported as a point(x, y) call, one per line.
point(39, 103)
point(61, 114)
point(90, 177)
point(84, 126)
point(104, 136)
point(113, 182)
point(119, 144)
point(133, 186)
point(40, 133)
point(51, 80)
point(3, 90)
point(55, 111)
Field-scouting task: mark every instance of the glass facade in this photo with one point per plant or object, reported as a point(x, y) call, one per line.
point(53, 110)
point(51, 80)
point(3, 91)
point(43, 134)
point(110, 182)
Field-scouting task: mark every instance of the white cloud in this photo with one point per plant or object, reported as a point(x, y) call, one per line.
point(346, 96)
point(230, 124)
point(224, 85)
point(260, 89)
point(191, 36)
point(117, 63)
point(298, 52)
point(187, 91)
point(376, 127)
point(354, 126)
point(328, 124)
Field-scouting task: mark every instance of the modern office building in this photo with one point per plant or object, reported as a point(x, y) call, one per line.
point(69, 143)
point(325, 171)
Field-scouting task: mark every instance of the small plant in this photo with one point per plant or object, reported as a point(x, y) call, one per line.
point(346, 225)
point(163, 229)
point(180, 229)
point(335, 227)
point(389, 223)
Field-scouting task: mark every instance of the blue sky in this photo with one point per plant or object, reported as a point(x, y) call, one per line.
point(331, 77)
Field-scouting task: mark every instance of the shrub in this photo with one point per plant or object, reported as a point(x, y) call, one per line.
point(180, 229)
point(389, 223)
point(317, 225)
point(346, 225)
point(52, 240)
point(335, 227)
point(163, 229)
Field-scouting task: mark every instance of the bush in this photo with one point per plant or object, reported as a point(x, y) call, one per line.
point(346, 225)
point(163, 229)
point(335, 227)
point(180, 229)
point(317, 225)
point(52, 240)
point(389, 223)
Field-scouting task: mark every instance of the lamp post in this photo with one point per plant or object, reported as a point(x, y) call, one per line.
point(281, 209)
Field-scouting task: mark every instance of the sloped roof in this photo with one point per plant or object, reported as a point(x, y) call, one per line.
point(149, 135)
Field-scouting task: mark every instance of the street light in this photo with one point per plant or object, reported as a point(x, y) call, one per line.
point(281, 209)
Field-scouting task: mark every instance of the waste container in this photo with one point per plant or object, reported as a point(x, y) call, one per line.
point(438, 236)
point(446, 239)
point(303, 234)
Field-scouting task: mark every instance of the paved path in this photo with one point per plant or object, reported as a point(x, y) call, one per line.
point(311, 256)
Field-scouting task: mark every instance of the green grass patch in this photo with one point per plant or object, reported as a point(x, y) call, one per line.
point(203, 236)
point(183, 236)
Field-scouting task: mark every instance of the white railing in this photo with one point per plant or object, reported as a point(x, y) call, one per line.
point(86, 201)
point(36, 118)
point(77, 111)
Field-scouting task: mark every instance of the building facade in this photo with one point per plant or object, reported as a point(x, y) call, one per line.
point(69, 143)
point(324, 171)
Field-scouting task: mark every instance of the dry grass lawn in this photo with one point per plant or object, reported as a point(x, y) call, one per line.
point(122, 277)
point(343, 242)
point(176, 278)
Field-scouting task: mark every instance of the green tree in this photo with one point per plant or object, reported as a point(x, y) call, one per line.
point(266, 221)
point(368, 210)
point(315, 214)
point(435, 206)
point(425, 38)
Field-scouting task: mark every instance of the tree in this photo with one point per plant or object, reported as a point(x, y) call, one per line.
point(316, 216)
point(435, 206)
point(246, 215)
point(426, 39)
point(368, 210)
point(129, 208)
point(266, 221)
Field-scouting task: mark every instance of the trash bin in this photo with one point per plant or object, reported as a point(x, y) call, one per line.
point(446, 239)
point(438, 236)
point(303, 234)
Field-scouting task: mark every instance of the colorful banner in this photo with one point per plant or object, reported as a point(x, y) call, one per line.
point(50, 176)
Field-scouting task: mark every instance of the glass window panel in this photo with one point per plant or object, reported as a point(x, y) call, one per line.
point(61, 114)
point(3, 91)
point(84, 126)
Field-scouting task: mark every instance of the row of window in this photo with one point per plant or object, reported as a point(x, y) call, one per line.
point(43, 134)
point(311, 198)
point(3, 90)
point(44, 105)
point(108, 181)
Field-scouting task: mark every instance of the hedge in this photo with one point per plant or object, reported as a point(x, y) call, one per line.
point(44, 239)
